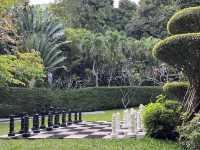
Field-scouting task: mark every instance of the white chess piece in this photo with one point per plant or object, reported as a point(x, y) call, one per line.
point(114, 127)
point(132, 127)
point(139, 122)
point(118, 121)
point(125, 119)
point(141, 108)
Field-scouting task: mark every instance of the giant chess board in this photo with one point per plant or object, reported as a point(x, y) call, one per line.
point(100, 129)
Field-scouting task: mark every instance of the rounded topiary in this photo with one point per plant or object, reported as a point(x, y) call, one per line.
point(176, 90)
point(183, 52)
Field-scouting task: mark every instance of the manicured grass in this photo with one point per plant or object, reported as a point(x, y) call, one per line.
point(86, 144)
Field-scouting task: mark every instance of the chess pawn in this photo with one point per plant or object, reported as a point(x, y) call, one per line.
point(131, 128)
point(114, 127)
point(125, 119)
point(118, 122)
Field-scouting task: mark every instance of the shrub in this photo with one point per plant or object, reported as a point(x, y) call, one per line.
point(176, 90)
point(161, 118)
point(87, 99)
point(190, 134)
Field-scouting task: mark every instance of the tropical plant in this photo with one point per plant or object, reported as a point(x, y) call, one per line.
point(41, 33)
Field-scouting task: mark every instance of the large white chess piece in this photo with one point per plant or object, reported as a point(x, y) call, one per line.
point(125, 119)
point(139, 122)
point(114, 127)
point(132, 127)
point(118, 122)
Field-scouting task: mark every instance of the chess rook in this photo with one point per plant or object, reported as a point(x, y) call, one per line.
point(118, 122)
point(125, 119)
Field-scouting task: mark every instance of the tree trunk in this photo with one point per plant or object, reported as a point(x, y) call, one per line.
point(191, 103)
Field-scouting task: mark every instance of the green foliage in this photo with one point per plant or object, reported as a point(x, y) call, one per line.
point(151, 19)
point(185, 21)
point(42, 33)
point(21, 69)
point(187, 3)
point(6, 4)
point(190, 134)
point(176, 90)
point(89, 99)
point(94, 15)
point(161, 118)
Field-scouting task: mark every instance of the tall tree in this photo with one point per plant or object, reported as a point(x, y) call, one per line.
point(94, 15)
point(151, 19)
point(122, 15)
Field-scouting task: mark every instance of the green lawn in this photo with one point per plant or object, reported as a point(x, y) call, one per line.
point(86, 144)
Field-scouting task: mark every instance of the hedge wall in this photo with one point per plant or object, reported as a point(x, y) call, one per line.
point(15, 100)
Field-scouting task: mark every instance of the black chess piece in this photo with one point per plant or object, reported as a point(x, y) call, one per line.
point(43, 126)
point(80, 116)
point(75, 117)
point(50, 120)
point(56, 119)
point(26, 132)
point(22, 122)
point(69, 122)
point(63, 119)
point(12, 126)
point(36, 124)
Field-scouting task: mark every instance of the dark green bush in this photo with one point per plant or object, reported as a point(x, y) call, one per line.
point(161, 119)
point(176, 90)
point(15, 100)
point(190, 134)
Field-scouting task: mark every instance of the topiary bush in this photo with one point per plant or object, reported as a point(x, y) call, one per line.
point(182, 51)
point(161, 118)
point(176, 90)
point(190, 134)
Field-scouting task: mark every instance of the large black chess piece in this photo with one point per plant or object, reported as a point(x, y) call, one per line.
point(26, 132)
point(36, 124)
point(22, 122)
point(50, 120)
point(80, 116)
point(12, 126)
point(56, 119)
point(63, 119)
point(69, 122)
point(75, 117)
point(43, 126)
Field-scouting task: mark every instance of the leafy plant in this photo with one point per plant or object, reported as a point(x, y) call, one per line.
point(161, 118)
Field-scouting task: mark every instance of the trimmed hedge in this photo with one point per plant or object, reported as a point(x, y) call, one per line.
point(15, 100)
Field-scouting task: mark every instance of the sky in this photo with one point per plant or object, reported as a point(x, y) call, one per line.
point(50, 1)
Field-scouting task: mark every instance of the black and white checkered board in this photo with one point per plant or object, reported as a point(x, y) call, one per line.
point(81, 130)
